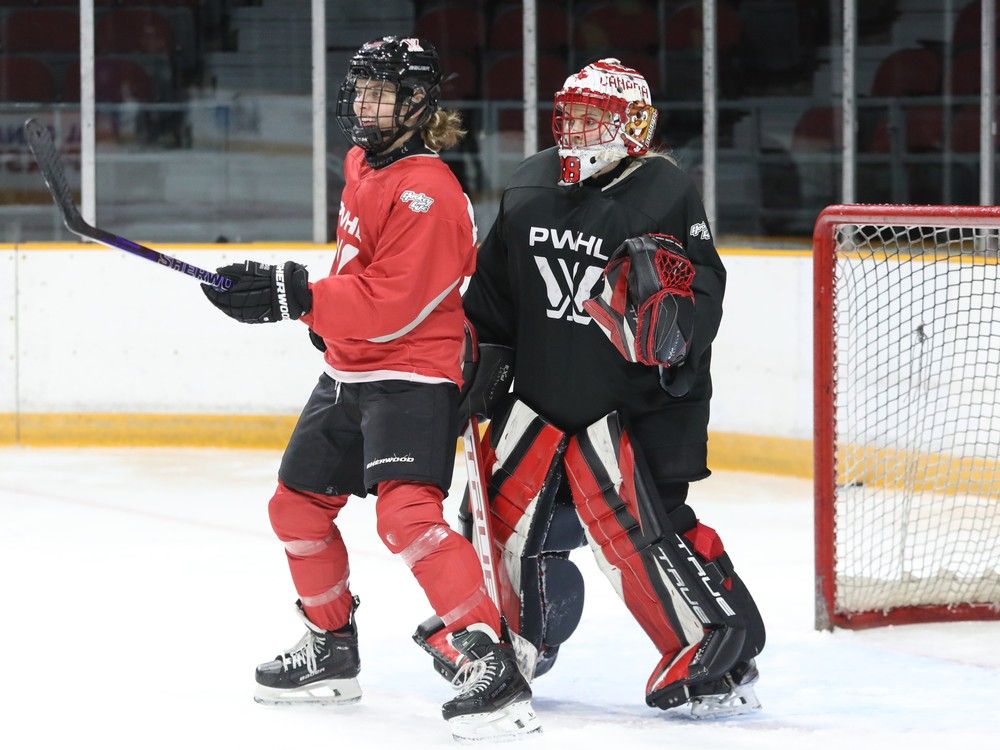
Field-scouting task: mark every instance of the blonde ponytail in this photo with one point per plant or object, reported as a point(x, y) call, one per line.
point(443, 131)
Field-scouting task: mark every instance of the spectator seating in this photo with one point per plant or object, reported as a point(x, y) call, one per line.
point(504, 76)
point(966, 73)
point(115, 80)
point(552, 28)
point(41, 30)
point(465, 84)
point(25, 79)
point(968, 26)
point(452, 26)
point(622, 25)
point(908, 72)
point(817, 129)
point(683, 29)
point(139, 30)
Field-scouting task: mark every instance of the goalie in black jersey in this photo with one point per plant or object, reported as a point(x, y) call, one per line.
point(600, 282)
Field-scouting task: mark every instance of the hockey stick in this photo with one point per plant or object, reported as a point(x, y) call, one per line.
point(44, 150)
point(482, 541)
point(482, 530)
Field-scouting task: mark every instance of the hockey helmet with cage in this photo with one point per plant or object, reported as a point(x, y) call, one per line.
point(601, 115)
point(392, 87)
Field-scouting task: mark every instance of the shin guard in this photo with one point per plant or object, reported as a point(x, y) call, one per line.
point(674, 590)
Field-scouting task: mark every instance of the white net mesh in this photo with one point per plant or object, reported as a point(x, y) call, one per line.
point(917, 336)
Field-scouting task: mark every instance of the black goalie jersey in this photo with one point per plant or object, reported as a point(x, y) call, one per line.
point(541, 261)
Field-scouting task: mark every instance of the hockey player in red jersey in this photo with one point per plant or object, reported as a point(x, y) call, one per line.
point(598, 442)
point(381, 419)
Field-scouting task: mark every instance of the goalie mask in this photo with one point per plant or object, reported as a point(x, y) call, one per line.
point(602, 114)
point(392, 88)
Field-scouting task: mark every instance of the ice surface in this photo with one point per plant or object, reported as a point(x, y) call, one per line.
point(140, 588)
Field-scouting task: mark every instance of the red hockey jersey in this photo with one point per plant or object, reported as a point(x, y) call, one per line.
point(391, 308)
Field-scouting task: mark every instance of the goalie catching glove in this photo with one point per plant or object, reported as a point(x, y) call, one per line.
point(262, 293)
point(645, 305)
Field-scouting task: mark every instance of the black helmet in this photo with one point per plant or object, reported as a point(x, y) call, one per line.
point(413, 69)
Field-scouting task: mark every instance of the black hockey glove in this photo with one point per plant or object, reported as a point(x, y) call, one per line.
point(262, 293)
point(317, 340)
point(488, 383)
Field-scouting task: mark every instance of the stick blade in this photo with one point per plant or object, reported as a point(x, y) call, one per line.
point(44, 150)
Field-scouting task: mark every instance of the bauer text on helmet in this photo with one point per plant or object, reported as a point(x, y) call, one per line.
point(602, 115)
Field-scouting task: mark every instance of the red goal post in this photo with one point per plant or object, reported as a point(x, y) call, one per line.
point(906, 325)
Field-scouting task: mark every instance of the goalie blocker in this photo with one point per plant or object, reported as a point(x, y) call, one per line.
point(671, 571)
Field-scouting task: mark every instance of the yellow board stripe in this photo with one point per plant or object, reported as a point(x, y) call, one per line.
point(191, 430)
point(728, 451)
point(168, 247)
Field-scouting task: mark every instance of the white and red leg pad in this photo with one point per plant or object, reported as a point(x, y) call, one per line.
point(676, 597)
point(523, 472)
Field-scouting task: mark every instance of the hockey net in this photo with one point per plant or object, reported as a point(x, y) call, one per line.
point(907, 414)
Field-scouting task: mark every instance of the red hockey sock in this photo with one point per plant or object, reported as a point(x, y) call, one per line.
point(317, 557)
point(411, 524)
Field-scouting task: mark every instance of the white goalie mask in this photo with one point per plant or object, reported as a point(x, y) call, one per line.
point(602, 114)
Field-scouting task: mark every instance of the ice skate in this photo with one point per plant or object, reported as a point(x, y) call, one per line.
point(678, 676)
point(732, 696)
point(494, 700)
point(322, 668)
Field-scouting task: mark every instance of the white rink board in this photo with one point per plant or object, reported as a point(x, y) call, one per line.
point(103, 331)
point(762, 356)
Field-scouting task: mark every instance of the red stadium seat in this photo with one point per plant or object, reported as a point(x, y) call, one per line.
point(115, 80)
point(908, 72)
point(969, 27)
point(504, 77)
point(818, 129)
point(24, 79)
point(133, 30)
point(552, 28)
point(623, 25)
point(965, 131)
point(683, 30)
point(452, 27)
point(924, 131)
point(41, 30)
point(513, 120)
point(966, 73)
point(465, 84)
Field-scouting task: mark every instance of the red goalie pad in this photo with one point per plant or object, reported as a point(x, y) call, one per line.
point(646, 305)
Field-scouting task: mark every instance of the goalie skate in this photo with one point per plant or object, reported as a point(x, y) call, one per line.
point(494, 700)
point(734, 696)
point(322, 668)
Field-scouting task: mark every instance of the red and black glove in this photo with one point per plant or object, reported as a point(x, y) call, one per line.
point(262, 293)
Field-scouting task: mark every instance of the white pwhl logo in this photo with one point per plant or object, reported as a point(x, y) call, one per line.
point(418, 202)
point(569, 289)
point(700, 230)
point(565, 238)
